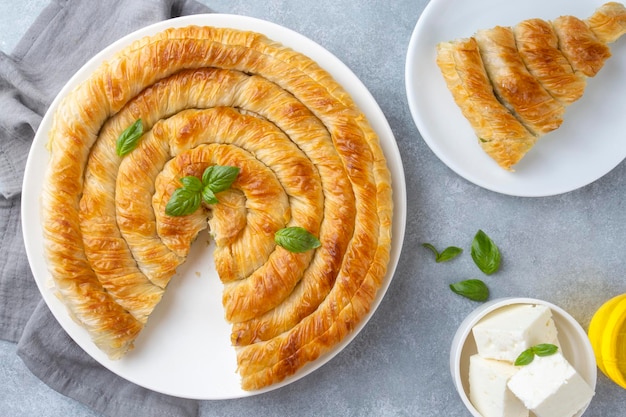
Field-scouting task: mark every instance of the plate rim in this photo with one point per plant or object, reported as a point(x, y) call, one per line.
point(32, 230)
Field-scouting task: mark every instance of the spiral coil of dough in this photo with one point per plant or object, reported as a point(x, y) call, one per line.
point(307, 157)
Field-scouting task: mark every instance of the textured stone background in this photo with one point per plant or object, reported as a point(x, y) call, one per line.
point(566, 249)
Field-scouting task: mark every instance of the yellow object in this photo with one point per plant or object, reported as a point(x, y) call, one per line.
point(607, 333)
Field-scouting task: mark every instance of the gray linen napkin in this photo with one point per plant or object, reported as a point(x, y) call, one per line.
point(61, 40)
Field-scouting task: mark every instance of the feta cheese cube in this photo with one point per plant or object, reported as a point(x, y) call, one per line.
point(550, 387)
point(488, 388)
point(509, 331)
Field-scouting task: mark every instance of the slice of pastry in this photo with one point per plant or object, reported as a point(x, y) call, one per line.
point(499, 132)
point(306, 156)
point(514, 84)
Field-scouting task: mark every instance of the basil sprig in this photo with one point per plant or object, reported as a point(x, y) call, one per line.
point(129, 138)
point(485, 253)
point(296, 239)
point(543, 349)
point(448, 253)
point(187, 199)
point(474, 289)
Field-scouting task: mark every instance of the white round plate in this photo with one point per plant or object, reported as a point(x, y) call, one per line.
point(185, 349)
point(589, 143)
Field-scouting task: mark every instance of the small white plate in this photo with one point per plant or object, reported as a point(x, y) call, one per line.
point(589, 143)
point(185, 348)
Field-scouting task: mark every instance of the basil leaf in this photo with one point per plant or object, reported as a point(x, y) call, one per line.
point(485, 253)
point(183, 202)
point(209, 196)
point(474, 289)
point(545, 349)
point(448, 253)
point(219, 178)
point(192, 183)
point(296, 239)
point(542, 349)
point(525, 357)
point(129, 138)
point(432, 249)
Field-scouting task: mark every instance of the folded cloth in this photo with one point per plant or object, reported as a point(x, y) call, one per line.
point(60, 41)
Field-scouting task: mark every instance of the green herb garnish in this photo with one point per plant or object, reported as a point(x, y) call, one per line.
point(129, 138)
point(543, 349)
point(296, 239)
point(474, 289)
point(448, 253)
point(485, 253)
point(219, 178)
point(187, 199)
point(183, 202)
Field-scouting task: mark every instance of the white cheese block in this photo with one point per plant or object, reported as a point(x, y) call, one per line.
point(488, 388)
point(550, 387)
point(509, 331)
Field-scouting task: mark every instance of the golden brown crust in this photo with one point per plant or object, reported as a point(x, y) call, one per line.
point(134, 215)
point(244, 221)
point(291, 122)
point(608, 22)
point(274, 273)
point(585, 52)
point(538, 47)
point(529, 102)
point(500, 134)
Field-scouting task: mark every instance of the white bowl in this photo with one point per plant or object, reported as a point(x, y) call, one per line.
point(574, 342)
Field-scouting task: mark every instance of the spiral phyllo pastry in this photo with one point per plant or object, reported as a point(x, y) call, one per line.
point(305, 156)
